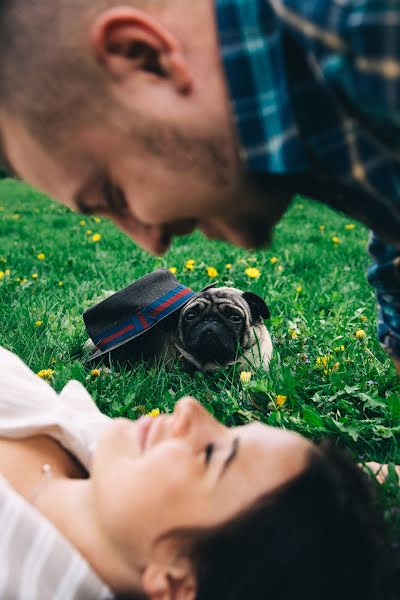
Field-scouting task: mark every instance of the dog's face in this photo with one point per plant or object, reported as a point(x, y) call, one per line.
point(218, 324)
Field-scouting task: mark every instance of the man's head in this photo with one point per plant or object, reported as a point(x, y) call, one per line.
point(123, 110)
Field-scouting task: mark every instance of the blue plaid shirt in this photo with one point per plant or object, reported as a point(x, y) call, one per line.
point(315, 88)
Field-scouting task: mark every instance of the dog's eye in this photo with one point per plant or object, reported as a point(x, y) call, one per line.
point(191, 314)
point(235, 318)
point(208, 451)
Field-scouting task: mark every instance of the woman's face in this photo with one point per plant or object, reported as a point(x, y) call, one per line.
point(185, 470)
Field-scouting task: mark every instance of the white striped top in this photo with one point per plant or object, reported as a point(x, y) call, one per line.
point(36, 561)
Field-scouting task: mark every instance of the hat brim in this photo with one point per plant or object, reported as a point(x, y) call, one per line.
point(99, 353)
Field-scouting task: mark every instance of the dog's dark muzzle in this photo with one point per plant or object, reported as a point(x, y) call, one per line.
point(212, 341)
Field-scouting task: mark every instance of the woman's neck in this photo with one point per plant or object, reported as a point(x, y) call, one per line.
point(68, 504)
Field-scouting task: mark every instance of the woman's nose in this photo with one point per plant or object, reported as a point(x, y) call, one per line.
point(191, 419)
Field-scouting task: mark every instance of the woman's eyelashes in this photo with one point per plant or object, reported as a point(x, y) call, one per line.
point(209, 450)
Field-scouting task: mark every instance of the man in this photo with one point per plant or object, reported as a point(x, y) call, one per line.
point(170, 115)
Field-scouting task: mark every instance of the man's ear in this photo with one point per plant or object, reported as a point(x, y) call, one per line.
point(127, 41)
point(169, 582)
point(258, 307)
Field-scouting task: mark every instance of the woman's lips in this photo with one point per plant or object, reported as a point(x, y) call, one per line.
point(144, 425)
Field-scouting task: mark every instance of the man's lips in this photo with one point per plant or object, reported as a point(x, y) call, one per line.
point(210, 230)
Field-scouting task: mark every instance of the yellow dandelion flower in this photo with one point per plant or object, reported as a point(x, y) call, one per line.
point(339, 349)
point(281, 400)
point(336, 240)
point(322, 227)
point(35, 276)
point(82, 223)
point(228, 266)
point(2, 274)
point(253, 273)
point(273, 260)
point(38, 323)
point(350, 226)
point(280, 268)
point(96, 237)
point(46, 373)
point(360, 334)
point(245, 376)
point(97, 220)
point(293, 334)
point(190, 264)
point(7, 272)
point(212, 272)
point(299, 289)
point(41, 256)
point(23, 281)
point(89, 232)
point(364, 318)
point(323, 361)
point(242, 261)
point(60, 284)
point(173, 270)
point(154, 413)
point(96, 372)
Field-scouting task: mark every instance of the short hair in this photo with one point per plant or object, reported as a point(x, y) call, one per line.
point(318, 537)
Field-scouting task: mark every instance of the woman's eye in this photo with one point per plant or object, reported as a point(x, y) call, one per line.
point(209, 450)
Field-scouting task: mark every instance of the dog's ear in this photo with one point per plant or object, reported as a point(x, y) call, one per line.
point(258, 307)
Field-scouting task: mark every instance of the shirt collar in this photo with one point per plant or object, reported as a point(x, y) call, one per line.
point(252, 56)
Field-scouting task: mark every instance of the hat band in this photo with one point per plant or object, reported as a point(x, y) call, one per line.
point(145, 318)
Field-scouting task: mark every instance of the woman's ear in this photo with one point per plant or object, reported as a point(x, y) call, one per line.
point(169, 582)
point(127, 42)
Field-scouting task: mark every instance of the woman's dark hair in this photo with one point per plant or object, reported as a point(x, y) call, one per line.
point(318, 537)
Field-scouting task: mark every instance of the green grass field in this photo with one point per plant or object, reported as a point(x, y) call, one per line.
point(324, 381)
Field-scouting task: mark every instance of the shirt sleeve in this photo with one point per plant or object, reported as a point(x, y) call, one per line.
point(30, 406)
point(371, 67)
point(356, 49)
point(384, 276)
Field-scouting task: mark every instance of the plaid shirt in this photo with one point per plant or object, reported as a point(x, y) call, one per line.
point(315, 88)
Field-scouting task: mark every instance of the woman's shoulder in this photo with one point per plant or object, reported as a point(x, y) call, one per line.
point(37, 561)
point(29, 406)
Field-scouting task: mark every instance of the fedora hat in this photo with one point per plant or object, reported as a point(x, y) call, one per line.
point(129, 320)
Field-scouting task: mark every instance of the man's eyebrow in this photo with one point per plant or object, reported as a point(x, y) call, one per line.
point(231, 456)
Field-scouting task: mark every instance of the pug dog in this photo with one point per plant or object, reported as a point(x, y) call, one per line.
point(217, 328)
point(224, 326)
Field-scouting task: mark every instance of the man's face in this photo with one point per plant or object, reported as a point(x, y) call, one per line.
point(160, 158)
point(151, 192)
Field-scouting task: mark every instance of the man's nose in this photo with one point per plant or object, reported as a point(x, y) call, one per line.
point(153, 238)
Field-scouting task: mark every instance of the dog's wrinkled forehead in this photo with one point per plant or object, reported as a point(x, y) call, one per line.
point(220, 297)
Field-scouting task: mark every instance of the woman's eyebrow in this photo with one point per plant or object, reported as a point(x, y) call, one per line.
point(231, 456)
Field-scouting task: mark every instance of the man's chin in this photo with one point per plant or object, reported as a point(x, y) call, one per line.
point(246, 232)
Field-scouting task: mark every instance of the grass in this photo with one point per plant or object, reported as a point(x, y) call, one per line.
point(335, 384)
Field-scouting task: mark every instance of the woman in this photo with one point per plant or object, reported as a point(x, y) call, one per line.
point(173, 508)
